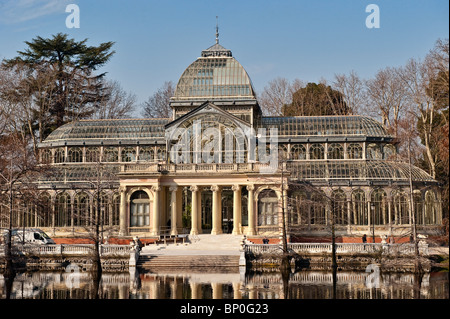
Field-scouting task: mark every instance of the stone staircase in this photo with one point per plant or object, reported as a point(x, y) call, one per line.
point(200, 252)
point(171, 262)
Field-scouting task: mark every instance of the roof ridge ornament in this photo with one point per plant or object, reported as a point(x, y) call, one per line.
point(216, 50)
point(217, 29)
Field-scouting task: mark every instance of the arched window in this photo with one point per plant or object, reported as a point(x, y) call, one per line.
point(139, 209)
point(62, 210)
point(374, 151)
point(160, 154)
point(81, 211)
point(340, 206)
point(283, 152)
point(300, 207)
point(389, 151)
point(298, 152)
point(267, 208)
point(430, 208)
point(92, 154)
point(59, 156)
point(401, 207)
point(110, 154)
point(335, 151)
point(354, 151)
point(359, 208)
point(318, 208)
point(379, 207)
point(46, 156)
point(207, 138)
point(316, 151)
point(44, 210)
point(128, 154)
point(147, 154)
point(75, 155)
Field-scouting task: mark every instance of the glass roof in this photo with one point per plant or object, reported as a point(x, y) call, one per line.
point(215, 75)
point(339, 170)
point(122, 129)
point(109, 129)
point(325, 126)
point(370, 170)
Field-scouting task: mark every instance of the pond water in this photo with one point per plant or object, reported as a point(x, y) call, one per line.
point(76, 284)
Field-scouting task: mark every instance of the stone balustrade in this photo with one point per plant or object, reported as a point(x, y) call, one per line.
point(71, 250)
point(350, 248)
point(189, 168)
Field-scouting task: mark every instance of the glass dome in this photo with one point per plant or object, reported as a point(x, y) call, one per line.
point(214, 75)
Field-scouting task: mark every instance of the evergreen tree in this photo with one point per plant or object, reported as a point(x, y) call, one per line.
point(315, 100)
point(76, 89)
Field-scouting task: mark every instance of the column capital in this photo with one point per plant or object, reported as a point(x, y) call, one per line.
point(173, 188)
point(251, 187)
point(236, 188)
point(156, 188)
point(215, 188)
point(122, 189)
point(194, 188)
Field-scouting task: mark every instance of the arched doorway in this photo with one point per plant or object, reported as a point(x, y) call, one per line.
point(268, 208)
point(139, 209)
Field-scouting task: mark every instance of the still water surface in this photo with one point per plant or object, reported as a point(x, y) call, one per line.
point(75, 284)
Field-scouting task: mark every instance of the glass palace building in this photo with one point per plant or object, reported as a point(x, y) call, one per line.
point(219, 166)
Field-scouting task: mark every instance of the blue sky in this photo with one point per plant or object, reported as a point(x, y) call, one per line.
point(309, 40)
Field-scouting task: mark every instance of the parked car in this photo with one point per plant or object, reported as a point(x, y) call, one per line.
point(32, 236)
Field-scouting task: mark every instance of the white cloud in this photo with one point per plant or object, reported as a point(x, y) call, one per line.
point(17, 11)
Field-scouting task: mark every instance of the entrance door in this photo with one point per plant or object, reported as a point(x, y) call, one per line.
point(206, 218)
point(227, 211)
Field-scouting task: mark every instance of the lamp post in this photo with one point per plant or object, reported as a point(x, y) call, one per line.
point(372, 210)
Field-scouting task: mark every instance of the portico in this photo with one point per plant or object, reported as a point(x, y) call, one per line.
point(194, 205)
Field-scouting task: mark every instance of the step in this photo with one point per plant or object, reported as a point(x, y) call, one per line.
point(188, 261)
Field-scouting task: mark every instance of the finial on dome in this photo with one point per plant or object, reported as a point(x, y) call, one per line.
point(217, 29)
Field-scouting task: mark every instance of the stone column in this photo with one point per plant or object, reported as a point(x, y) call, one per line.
point(217, 290)
point(173, 206)
point(216, 210)
point(156, 209)
point(251, 211)
point(237, 290)
point(123, 212)
point(199, 211)
point(237, 210)
point(195, 291)
point(194, 210)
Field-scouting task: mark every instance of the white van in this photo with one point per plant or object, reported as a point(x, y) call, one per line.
point(32, 236)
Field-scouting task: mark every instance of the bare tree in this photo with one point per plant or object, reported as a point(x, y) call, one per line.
point(387, 97)
point(116, 104)
point(353, 89)
point(18, 171)
point(427, 91)
point(157, 105)
point(101, 177)
point(278, 93)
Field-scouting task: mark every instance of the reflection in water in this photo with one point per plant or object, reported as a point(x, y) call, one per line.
point(75, 284)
